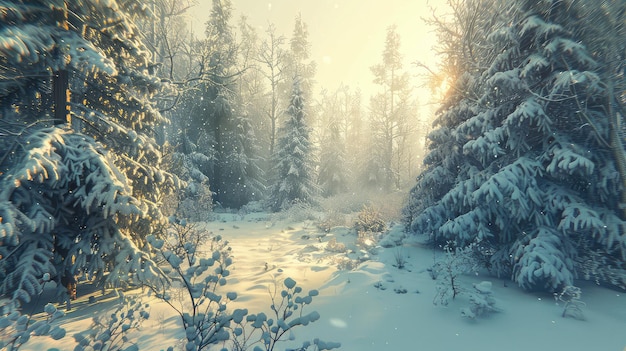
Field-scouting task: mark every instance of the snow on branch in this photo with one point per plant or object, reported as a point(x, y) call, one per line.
point(566, 159)
point(546, 261)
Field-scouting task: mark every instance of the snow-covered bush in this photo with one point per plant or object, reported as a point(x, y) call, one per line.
point(599, 266)
point(570, 296)
point(456, 261)
point(393, 237)
point(370, 219)
point(110, 331)
point(287, 314)
point(334, 246)
point(344, 263)
point(203, 312)
point(195, 202)
point(481, 301)
point(16, 329)
point(345, 203)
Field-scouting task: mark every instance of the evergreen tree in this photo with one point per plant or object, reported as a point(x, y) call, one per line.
point(519, 162)
point(293, 171)
point(219, 129)
point(301, 65)
point(79, 199)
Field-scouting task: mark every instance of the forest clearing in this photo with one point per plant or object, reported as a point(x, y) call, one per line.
point(238, 175)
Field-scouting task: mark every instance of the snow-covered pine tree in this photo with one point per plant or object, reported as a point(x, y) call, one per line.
point(445, 163)
point(293, 164)
point(531, 178)
point(81, 199)
point(299, 59)
point(214, 124)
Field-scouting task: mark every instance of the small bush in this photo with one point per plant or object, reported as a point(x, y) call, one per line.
point(266, 332)
point(345, 263)
point(16, 329)
point(198, 204)
point(481, 301)
point(110, 331)
point(200, 274)
point(334, 246)
point(370, 220)
point(456, 262)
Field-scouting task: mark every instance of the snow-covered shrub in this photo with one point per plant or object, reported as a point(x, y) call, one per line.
point(195, 202)
point(570, 296)
point(456, 261)
point(393, 237)
point(110, 331)
point(196, 205)
point(183, 234)
point(16, 329)
point(287, 314)
point(334, 246)
point(253, 207)
point(370, 219)
point(481, 301)
point(344, 263)
point(203, 311)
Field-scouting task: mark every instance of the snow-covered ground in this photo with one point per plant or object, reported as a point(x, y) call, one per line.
point(374, 306)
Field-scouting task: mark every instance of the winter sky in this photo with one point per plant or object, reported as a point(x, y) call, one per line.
point(347, 36)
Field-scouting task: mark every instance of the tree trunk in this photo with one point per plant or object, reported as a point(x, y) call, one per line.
point(61, 97)
point(60, 79)
point(617, 147)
